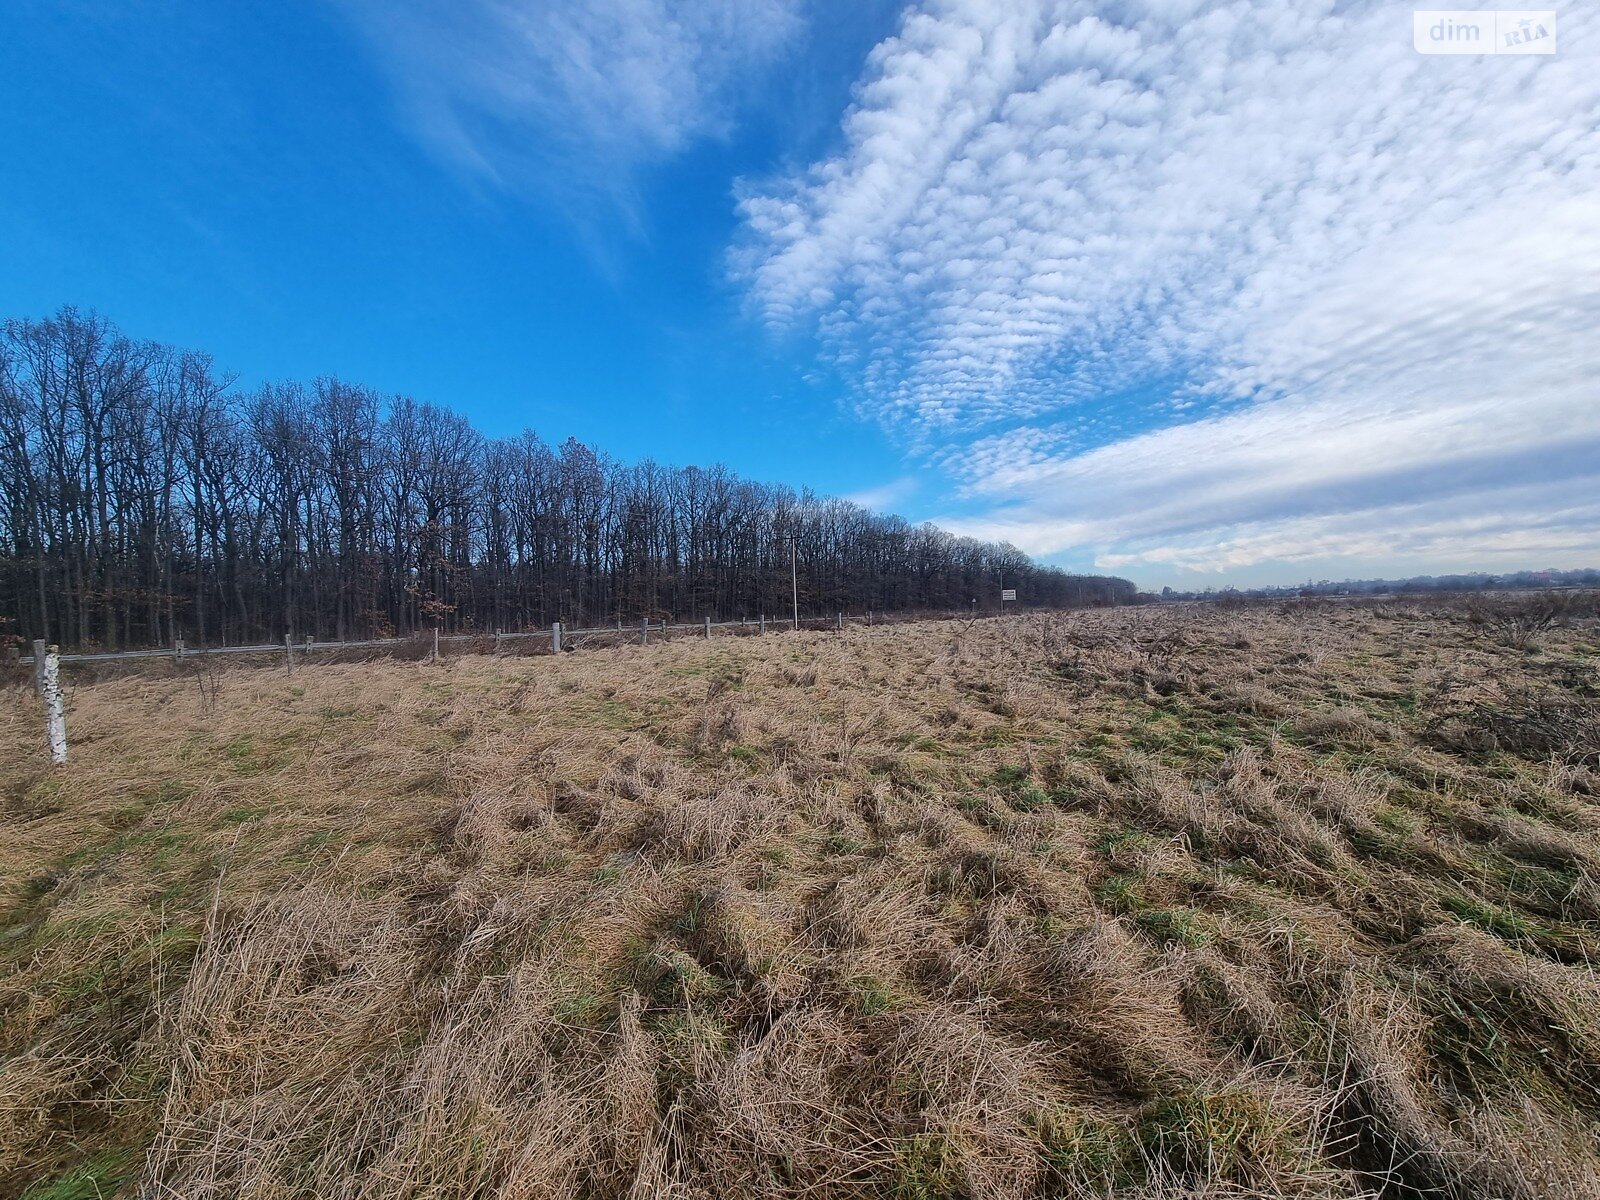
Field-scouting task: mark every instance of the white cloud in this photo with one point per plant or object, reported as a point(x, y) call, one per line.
point(885, 497)
point(1377, 272)
point(570, 95)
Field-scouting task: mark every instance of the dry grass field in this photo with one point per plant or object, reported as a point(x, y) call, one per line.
point(1281, 901)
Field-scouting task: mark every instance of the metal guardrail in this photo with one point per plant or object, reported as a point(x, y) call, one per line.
point(179, 653)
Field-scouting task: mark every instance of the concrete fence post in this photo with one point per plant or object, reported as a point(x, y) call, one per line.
point(555, 637)
point(841, 622)
point(177, 649)
point(497, 635)
point(708, 629)
point(288, 653)
point(763, 628)
point(55, 706)
point(38, 666)
point(435, 643)
point(644, 632)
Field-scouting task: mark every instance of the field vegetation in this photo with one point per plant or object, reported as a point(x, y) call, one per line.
point(1293, 900)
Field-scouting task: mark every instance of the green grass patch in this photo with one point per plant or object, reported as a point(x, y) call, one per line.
point(609, 713)
point(1124, 894)
point(1029, 798)
point(926, 1167)
point(870, 995)
point(1397, 820)
point(1504, 923)
point(101, 1176)
point(999, 736)
point(1087, 1155)
point(587, 1009)
point(1230, 1137)
point(684, 1037)
point(1113, 840)
point(241, 753)
point(1169, 926)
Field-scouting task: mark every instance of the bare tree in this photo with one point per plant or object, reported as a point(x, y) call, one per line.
point(144, 498)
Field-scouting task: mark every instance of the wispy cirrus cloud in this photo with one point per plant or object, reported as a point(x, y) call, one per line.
point(571, 97)
point(1374, 276)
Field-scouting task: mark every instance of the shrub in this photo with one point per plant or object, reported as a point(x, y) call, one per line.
point(1533, 723)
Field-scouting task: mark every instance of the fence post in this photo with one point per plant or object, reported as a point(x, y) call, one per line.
point(841, 622)
point(644, 632)
point(177, 649)
point(435, 643)
point(763, 629)
point(708, 629)
point(497, 640)
point(869, 618)
point(555, 637)
point(38, 666)
point(55, 706)
point(288, 653)
point(308, 647)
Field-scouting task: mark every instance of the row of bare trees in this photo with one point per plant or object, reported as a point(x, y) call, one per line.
point(144, 497)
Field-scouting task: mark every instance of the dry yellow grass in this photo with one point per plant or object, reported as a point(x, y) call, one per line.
point(1148, 903)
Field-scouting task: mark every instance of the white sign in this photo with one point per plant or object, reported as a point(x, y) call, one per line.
point(1490, 31)
point(1008, 593)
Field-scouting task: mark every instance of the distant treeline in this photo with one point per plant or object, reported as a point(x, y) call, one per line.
point(146, 498)
point(1476, 581)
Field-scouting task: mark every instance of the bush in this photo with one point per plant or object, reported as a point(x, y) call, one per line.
point(1530, 723)
point(1520, 621)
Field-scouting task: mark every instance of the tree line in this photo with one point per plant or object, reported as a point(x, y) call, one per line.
point(1474, 581)
point(145, 497)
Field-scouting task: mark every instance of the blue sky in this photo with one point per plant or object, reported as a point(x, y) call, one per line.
point(1184, 291)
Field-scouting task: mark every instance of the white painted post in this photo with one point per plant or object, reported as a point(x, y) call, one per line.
point(38, 666)
point(869, 618)
point(555, 637)
point(288, 653)
point(841, 622)
point(794, 577)
point(55, 706)
point(644, 632)
point(177, 649)
point(708, 629)
point(435, 643)
point(763, 629)
point(497, 641)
